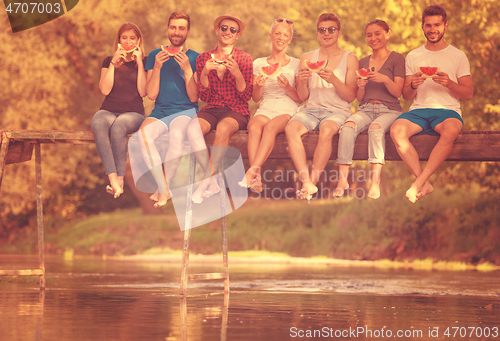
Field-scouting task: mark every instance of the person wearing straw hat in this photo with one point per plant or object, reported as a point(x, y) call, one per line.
point(224, 76)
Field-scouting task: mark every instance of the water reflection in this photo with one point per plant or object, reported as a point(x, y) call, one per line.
point(93, 299)
point(184, 317)
point(39, 322)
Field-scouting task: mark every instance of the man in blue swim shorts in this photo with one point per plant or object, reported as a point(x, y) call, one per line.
point(436, 106)
point(171, 85)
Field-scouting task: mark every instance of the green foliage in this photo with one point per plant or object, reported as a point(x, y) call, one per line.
point(55, 85)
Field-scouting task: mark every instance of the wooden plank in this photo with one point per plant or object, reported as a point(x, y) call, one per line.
point(207, 276)
point(469, 146)
point(36, 272)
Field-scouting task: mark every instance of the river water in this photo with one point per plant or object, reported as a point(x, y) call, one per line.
point(96, 299)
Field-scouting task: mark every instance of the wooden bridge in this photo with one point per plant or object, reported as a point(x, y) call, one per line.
point(17, 146)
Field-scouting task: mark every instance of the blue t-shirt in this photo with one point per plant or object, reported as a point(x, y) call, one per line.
point(172, 97)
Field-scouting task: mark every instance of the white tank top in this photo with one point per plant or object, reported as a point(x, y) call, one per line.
point(323, 94)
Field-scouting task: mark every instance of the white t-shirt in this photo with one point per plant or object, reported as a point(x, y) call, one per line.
point(274, 97)
point(430, 94)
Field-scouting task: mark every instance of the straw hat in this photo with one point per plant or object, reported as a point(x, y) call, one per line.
point(232, 16)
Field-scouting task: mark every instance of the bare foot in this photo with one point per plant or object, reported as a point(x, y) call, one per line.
point(374, 192)
point(412, 192)
point(213, 188)
point(162, 199)
point(198, 195)
point(341, 188)
point(307, 191)
point(114, 191)
point(426, 189)
point(256, 185)
point(154, 197)
point(250, 175)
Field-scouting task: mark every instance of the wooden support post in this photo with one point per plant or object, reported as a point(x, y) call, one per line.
point(4, 147)
point(39, 213)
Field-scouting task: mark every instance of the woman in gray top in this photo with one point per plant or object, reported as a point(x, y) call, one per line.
point(378, 95)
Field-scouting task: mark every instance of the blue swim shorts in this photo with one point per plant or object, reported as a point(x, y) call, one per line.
point(429, 118)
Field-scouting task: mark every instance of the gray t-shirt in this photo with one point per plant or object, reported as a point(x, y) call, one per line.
point(394, 66)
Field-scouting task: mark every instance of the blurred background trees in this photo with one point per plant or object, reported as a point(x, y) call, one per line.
point(50, 81)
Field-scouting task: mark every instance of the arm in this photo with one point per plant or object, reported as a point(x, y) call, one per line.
point(290, 90)
point(411, 85)
point(141, 73)
point(361, 88)
point(153, 76)
point(302, 78)
point(201, 77)
point(191, 86)
point(258, 86)
point(395, 87)
point(108, 74)
point(348, 90)
point(243, 76)
point(463, 89)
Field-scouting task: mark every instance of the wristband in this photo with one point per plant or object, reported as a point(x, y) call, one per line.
point(411, 86)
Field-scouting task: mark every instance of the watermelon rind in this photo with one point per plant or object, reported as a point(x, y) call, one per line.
point(426, 74)
point(220, 61)
point(265, 70)
point(129, 51)
point(317, 66)
point(171, 53)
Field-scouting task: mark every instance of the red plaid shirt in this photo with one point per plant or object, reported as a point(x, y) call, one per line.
point(223, 93)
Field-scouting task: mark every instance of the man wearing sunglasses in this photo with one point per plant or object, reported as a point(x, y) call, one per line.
point(224, 77)
point(436, 101)
point(329, 93)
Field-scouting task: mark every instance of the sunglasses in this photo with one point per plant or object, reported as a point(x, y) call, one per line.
point(289, 22)
point(331, 30)
point(224, 28)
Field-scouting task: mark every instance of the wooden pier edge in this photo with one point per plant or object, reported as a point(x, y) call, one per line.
point(18, 145)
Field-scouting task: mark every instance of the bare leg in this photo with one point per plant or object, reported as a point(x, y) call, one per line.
point(255, 131)
point(342, 185)
point(448, 131)
point(271, 129)
point(323, 150)
point(401, 131)
point(149, 131)
point(196, 131)
point(294, 131)
point(374, 192)
point(174, 154)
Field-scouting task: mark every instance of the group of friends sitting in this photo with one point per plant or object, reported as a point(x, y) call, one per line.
point(297, 100)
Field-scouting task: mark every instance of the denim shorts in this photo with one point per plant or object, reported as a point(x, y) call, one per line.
point(429, 118)
point(313, 118)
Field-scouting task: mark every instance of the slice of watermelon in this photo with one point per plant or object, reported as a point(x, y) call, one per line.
point(220, 58)
point(270, 70)
point(363, 73)
point(172, 51)
point(315, 67)
point(428, 71)
point(128, 48)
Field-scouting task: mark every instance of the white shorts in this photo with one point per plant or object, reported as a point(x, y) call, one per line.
point(274, 107)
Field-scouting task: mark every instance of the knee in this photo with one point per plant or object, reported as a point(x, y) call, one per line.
point(292, 129)
point(326, 133)
point(398, 132)
point(375, 130)
point(254, 129)
point(375, 126)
